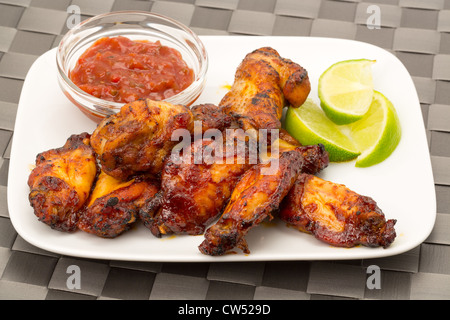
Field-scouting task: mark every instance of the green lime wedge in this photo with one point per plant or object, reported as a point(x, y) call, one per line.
point(309, 125)
point(378, 133)
point(346, 90)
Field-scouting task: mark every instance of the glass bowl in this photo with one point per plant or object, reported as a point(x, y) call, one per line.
point(135, 25)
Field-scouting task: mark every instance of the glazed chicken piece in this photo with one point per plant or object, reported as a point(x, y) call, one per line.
point(211, 117)
point(265, 83)
point(257, 195)
point(195, 191)
point(114, 204)
point(61, 182)
point(335, 214)
point(139, 137)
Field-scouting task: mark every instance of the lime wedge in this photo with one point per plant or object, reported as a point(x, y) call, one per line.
point(346, 90)
point(370, 140)
point(309, 125)
point(378, 133)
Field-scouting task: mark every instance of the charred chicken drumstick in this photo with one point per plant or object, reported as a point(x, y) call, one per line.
point(139, 137)
point(335, 214)
point(61, 182)
point(114, 205)
point(257, 195)
point(265, 83)
point(193, 193)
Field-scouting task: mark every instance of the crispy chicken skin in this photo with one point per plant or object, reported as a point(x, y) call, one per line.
point(257, 196)
point(265, 83)
point(139, 137)
point(211, 117)
point(335, 214)
point(61, 182)
point(114, 205)
point(194, 193)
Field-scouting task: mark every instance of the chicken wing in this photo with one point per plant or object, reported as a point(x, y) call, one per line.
point(139, 137)
point(114, 205)
point(256, 196)
point(61, 182)
point(335, 214)
point(265, 83)
point(194, 192)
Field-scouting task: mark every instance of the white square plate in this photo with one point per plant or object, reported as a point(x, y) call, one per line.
point(402, 185)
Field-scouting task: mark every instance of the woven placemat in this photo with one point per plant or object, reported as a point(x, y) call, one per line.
point(416, 31)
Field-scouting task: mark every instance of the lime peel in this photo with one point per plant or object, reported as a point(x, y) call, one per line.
point(389, 132)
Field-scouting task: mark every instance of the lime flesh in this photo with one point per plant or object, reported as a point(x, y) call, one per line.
point(346, 90)
point(309, 125)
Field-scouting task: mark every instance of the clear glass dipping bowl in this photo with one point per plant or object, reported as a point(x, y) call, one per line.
point(135, 25)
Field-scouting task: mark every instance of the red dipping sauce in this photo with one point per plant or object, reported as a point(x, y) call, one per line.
point(121, 70)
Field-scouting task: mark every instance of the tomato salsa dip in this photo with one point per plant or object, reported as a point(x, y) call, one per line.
point(122, 70)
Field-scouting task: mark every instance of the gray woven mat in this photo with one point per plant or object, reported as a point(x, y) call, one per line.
point(416, 31)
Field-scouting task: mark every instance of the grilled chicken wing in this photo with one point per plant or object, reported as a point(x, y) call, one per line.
point(264, 83)
point(114, 205)
point(257, 195)
point(139, 137)
point(194, 191)
point(61, 182)
point(335, 214)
